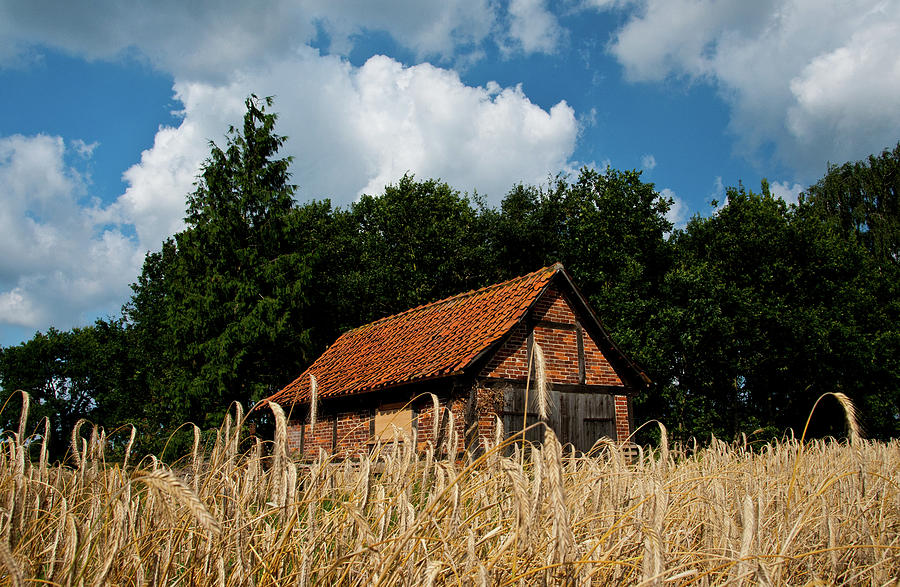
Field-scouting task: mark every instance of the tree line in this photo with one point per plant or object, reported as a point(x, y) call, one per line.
point(742, 318)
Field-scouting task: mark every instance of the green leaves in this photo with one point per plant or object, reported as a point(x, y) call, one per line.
point(863, 200)
point(82, 373)
point(767, 308)
point(228, 294)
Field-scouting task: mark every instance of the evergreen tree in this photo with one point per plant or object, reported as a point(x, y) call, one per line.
point(223, 303)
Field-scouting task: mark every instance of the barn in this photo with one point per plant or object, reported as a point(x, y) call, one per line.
point(465, 361)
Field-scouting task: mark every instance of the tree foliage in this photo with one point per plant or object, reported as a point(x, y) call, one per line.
point(863, 199)
point(222, 305)
point(767, 308)
point(741, 318)
point(81, 373)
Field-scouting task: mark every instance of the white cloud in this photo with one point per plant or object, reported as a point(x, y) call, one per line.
point(85, 150)
point(201, 38)
point(445, 30)
point(362, 129)
point(817, 79)
point(208, 40)
point(64, 258)
point(678, 212)
point(718, 192)
point(851, 94)
point(648, 162)
point(532, 27)
point(606, 4)
point(790, 193)
point(58, 261)
point(154, 201)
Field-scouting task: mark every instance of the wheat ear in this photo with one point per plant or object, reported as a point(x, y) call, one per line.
point(128, 447)
point(15, 573)
point(435, 417)
point(23, 417)
point(74, 443)
point(540, 374)
point(166, 481)
point(313, 402)
point(851, 416)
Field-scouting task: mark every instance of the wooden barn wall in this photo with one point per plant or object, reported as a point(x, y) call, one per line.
point(577, 418)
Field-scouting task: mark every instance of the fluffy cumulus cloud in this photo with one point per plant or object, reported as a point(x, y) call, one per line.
point(788, 192)
point(424, 119)
point(208, 40)
point(678, 211)
point(814, 80)
point(352, 130)
point(62, 255)
point(442, 30)
point(362, 129)
point(532, 27)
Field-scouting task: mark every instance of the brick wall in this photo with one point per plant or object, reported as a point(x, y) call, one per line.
point(312, 440)
point(511, 361)
point(554, 308)
point(560, 346)
point(353, 435)
point(597, 369)
point(555, 330)
point(353, 432)
point(294, 436)
point(623, 417)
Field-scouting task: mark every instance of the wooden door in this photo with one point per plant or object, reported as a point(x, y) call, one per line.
point(577, 418)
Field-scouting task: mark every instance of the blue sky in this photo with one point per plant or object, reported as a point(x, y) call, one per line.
point(106, 109)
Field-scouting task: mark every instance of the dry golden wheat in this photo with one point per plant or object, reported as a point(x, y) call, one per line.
point(784, 512)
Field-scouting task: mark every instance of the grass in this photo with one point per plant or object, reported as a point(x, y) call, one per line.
point(788, 512)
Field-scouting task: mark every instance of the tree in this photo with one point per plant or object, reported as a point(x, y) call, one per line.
point(81, 373)
point(767, 308)
point(415, 243)
point(223, 303)
point(863, 199)
point(609, 230)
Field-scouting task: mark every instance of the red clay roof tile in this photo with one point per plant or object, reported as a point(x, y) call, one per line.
point(434, 340)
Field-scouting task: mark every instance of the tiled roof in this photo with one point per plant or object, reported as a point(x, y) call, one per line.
point(430, 341)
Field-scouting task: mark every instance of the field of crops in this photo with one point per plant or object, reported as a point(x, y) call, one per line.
point(783, 513)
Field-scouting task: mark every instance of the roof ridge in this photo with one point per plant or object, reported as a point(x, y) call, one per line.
point(554, 267)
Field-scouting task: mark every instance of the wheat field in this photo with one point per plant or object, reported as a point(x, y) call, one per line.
point(786, 512)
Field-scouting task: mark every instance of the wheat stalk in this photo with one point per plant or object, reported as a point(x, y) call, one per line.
point(12, 568)
point(682, 514)
point(166, 482)
point(313, 402)
point(23, 417)
point(543, 390)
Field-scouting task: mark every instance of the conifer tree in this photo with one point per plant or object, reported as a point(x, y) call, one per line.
point(229, 298)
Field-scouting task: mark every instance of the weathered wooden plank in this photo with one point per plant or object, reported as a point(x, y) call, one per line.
point(588, 417)
point(580, 343)
point(568, 387)
point(577, 418)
